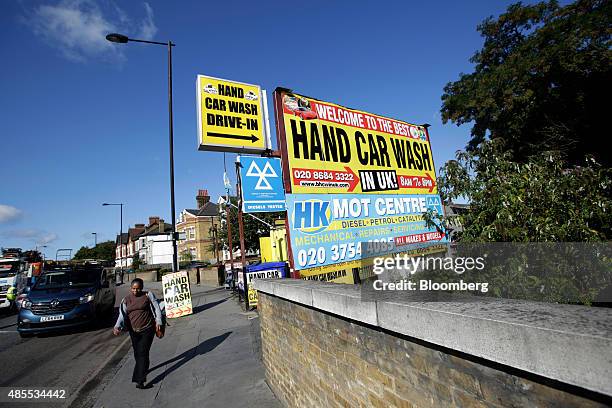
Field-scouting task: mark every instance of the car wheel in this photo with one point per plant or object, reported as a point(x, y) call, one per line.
point(25, 335)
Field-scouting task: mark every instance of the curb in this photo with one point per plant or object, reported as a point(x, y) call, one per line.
point(92, 381)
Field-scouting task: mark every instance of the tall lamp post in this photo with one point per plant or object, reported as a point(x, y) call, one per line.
point(122, 39)
point(42, 253)
point(120, 238)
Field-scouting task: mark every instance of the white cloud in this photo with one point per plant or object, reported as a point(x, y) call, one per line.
point(78, 28)
point(148, 28)
point(47, 238)
point(35, 235)
point(8, 213)
point(21, 233)
point(122, 15)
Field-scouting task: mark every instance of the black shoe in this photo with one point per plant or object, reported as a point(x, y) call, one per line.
point(143, 386)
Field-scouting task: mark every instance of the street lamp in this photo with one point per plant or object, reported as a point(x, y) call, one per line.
point(42, 253)
point(120, 238)
point(122, 39)
point(95, 234)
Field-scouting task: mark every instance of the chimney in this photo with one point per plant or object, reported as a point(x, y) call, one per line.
point(202, 198)
point(153, 220)
point(161, 226)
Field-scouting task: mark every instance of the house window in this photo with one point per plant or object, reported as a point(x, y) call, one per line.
point(194, 254)
point(191, 232)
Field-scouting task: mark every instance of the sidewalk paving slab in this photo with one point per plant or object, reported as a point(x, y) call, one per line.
point(208, 359)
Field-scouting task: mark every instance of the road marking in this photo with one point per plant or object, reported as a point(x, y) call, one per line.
point(8, 331)
point(93, 374)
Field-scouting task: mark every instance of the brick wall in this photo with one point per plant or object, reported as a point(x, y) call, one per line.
point(315, 359)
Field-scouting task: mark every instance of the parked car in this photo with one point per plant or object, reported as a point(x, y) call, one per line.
point(66, 297)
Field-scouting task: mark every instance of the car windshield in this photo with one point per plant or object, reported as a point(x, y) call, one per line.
point(67, 279)
point(8, 269)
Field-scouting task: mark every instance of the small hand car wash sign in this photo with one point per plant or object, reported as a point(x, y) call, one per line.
point(177, 294)
point(230, 116)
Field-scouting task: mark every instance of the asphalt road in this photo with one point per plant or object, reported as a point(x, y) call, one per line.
point(66, 360)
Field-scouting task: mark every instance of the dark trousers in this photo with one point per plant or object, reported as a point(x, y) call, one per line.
point(141, 343)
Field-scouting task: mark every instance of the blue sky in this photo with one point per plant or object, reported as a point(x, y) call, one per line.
point(84, 121)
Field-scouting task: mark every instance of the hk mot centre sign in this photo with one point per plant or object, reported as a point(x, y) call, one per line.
point(230, 116)
point(354, 178)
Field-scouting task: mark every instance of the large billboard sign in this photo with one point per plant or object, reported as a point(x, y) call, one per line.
point(338, 228)
point(230, 116)
point(261, 184)
point(333, 149)
point(353, 178)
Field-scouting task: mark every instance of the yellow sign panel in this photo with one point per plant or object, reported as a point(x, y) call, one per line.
point(177, 294)
point(230, 116)
point(253, 299)
point(333, 149)
point(338, 273)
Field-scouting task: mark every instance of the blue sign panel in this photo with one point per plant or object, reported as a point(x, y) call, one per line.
point(262, 184)
point(327, 229)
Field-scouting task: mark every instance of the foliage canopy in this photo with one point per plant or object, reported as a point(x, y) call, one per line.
point(540, 82)
point(253, 229)
point(102, 251)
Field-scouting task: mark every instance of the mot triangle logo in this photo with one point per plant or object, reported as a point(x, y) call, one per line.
point(262, 182)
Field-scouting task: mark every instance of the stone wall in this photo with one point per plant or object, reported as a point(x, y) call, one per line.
point(314, 358)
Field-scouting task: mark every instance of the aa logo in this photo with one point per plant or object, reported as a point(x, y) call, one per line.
point(312, 216)
point(262, 182)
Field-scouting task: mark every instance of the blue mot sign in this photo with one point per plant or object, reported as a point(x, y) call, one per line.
point(262, 184)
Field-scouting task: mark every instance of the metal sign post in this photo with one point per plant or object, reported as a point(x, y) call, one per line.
point(240, 220)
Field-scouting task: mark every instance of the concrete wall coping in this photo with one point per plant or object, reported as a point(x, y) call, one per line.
point(571, 344)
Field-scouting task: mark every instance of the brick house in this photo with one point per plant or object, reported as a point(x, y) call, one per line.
point(199, 226)
point(155, 243)
point(125, 250)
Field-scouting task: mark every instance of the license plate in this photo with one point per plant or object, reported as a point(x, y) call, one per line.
point(51, 318)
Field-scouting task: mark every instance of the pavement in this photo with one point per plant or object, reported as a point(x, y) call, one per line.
point(208, 359)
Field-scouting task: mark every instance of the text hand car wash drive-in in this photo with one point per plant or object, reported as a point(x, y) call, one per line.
point(66, 297)
point(12, 276)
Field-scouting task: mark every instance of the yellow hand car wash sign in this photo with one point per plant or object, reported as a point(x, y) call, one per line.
point(230, 116)
point(332, 149)
point(177, 294)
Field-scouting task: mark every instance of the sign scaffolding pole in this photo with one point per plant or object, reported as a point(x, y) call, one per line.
point(241, 232)
point(229, 236)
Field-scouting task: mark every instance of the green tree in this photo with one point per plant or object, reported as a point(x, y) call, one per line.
point(536, 169)
point(253, 229)
point(186, 256)
point(543, 200)
point(32, 256)
point(103, 251)
point(136, 262)
point(540, 82)
point(84, 253)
